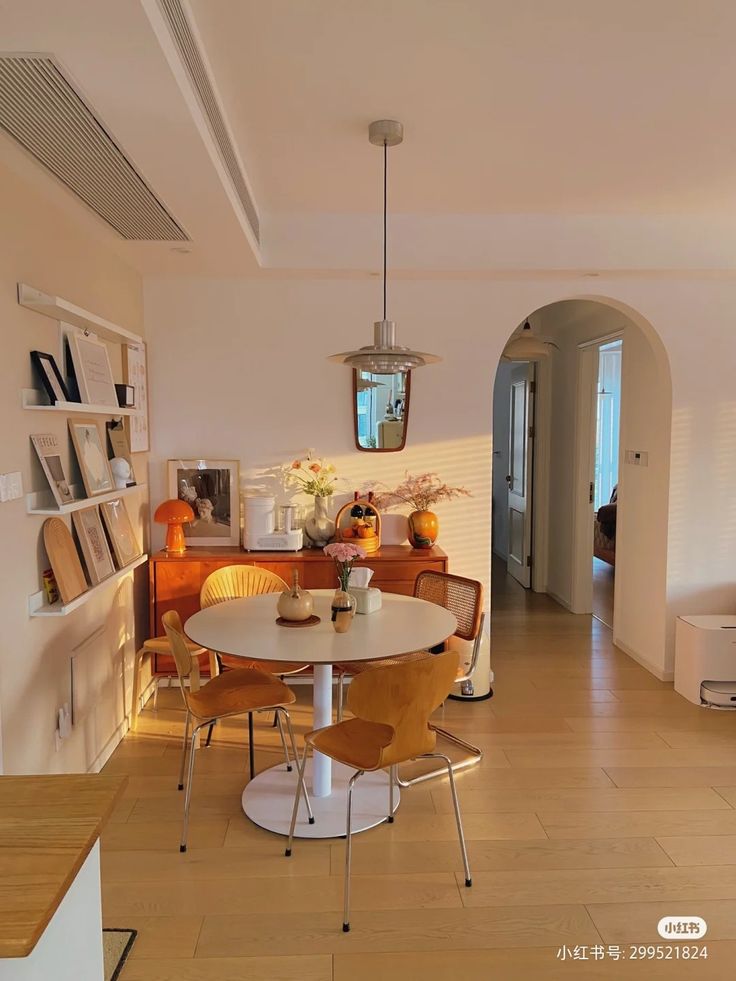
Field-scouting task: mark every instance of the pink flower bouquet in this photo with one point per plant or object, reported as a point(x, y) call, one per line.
point(345, 555)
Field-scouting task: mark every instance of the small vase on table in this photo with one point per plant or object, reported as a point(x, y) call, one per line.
point(343, 603)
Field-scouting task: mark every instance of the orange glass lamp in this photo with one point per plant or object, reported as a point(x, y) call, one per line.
point(174, 513)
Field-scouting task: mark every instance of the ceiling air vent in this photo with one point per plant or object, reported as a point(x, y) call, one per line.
point(43, 112)
point(189, 53)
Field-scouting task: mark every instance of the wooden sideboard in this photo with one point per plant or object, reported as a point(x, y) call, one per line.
point(176, 580)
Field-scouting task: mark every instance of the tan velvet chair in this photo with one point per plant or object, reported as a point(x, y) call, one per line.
point(237, 692)
point(464, 599)
point(392, 706)
point(235, 582)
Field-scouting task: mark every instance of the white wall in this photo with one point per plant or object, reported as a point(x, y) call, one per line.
point(238, 370)
point(501, 422)
point(40, 246)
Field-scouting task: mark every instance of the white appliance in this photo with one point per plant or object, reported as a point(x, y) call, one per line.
point(259, 522)
point(705, 660)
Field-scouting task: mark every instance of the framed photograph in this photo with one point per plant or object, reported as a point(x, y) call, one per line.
point(46, 446)
point(119, 528)
point(136, 374)
point(212, 489)
point(89, 445)
point(48, 372)
point(95, 550)
point(92, 370)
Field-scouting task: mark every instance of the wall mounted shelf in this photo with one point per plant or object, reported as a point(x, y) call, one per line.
point(69, 313)
point(32, 398)
point(42, 502)
point(38, 607)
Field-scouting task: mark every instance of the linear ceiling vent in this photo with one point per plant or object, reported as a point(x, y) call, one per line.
point(190, 55)
point(41, 110)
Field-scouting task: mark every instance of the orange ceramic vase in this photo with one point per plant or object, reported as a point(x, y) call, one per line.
point(423, 529)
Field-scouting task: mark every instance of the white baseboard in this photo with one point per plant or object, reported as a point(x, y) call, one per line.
point(560, 600)
point(109, 748)
point(645, 663)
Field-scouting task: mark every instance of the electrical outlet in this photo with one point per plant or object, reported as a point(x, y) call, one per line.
point(11, 486)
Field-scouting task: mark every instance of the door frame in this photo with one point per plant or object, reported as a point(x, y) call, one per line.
point(586, 415)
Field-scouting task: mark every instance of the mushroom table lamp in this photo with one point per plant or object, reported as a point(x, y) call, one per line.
point(174, 513)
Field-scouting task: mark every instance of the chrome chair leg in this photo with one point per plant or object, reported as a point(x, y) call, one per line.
point(190, 780)
point(340, 694)
point(184, 751)
point(475, 756)
point(300, 777)
point(277, 717)
point(391, 808)
point(348, 853)
point(456, 805)
point(300, 783)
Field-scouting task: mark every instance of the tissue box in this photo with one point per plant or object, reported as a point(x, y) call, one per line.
point(366, 600)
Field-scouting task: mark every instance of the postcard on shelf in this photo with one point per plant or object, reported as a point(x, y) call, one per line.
point(90, 449)
point(92, 369)
point(46, 446)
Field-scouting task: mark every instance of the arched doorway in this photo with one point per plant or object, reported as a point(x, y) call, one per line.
point(563, 390)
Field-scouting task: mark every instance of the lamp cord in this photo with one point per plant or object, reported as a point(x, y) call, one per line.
point(385, 199)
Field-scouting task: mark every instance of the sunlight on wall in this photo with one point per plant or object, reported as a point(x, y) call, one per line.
point(465, 523)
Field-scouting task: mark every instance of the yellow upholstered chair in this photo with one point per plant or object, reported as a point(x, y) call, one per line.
point(237, 692)
point(391, 708)
point(236, 582)
point(464, 599)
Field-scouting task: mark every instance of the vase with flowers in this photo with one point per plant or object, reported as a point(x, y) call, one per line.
point(317, 478)
point(345, 555)
point(420, 492)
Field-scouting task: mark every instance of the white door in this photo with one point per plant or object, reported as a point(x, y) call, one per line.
point(519, 478)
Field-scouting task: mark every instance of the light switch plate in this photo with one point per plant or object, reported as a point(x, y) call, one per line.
point(638, 458)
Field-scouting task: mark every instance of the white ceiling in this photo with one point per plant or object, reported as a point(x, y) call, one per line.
point(561, 106)
point(541, 135)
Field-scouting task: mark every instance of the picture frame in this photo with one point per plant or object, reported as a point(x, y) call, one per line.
point(120, 530)
point(95, 550)
point(212, 488)
point(89, 445)
point(135, 373)
point(48, 451)
point(51, 378)
point(91, 362)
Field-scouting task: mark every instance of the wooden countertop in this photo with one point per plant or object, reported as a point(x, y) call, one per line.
point(386, 553)
point(48, 825)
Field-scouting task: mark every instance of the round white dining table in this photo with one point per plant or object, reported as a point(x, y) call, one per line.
point(247, 628)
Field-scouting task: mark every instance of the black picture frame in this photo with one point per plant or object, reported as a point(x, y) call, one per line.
point(48, 372)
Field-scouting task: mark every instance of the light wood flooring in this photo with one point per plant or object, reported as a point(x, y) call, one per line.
point(604, 802)
point(603, 579)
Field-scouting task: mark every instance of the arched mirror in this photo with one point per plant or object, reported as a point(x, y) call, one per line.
point(381, 410)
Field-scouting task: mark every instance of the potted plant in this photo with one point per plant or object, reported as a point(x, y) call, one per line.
point(421, 492)
point(317, 478)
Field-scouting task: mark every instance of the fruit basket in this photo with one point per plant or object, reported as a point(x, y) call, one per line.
point(359, 522)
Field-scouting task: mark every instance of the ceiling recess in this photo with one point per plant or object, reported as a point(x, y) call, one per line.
point(41, 110)
point(199, 78)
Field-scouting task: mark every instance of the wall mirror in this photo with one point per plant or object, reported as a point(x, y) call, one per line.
point(381, 410)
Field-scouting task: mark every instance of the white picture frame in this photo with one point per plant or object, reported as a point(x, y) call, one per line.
point(212, 489)
point(96, 552)
point(91, 362)
point(135, 373)
point(47, 448)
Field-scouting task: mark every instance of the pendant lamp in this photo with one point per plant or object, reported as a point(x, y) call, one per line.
point(384, 356)
point(526, 346)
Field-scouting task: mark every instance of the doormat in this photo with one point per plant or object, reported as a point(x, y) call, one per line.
point(116, 945)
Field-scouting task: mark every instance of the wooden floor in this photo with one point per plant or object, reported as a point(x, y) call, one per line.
point(603, 579)
point(604, 802)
